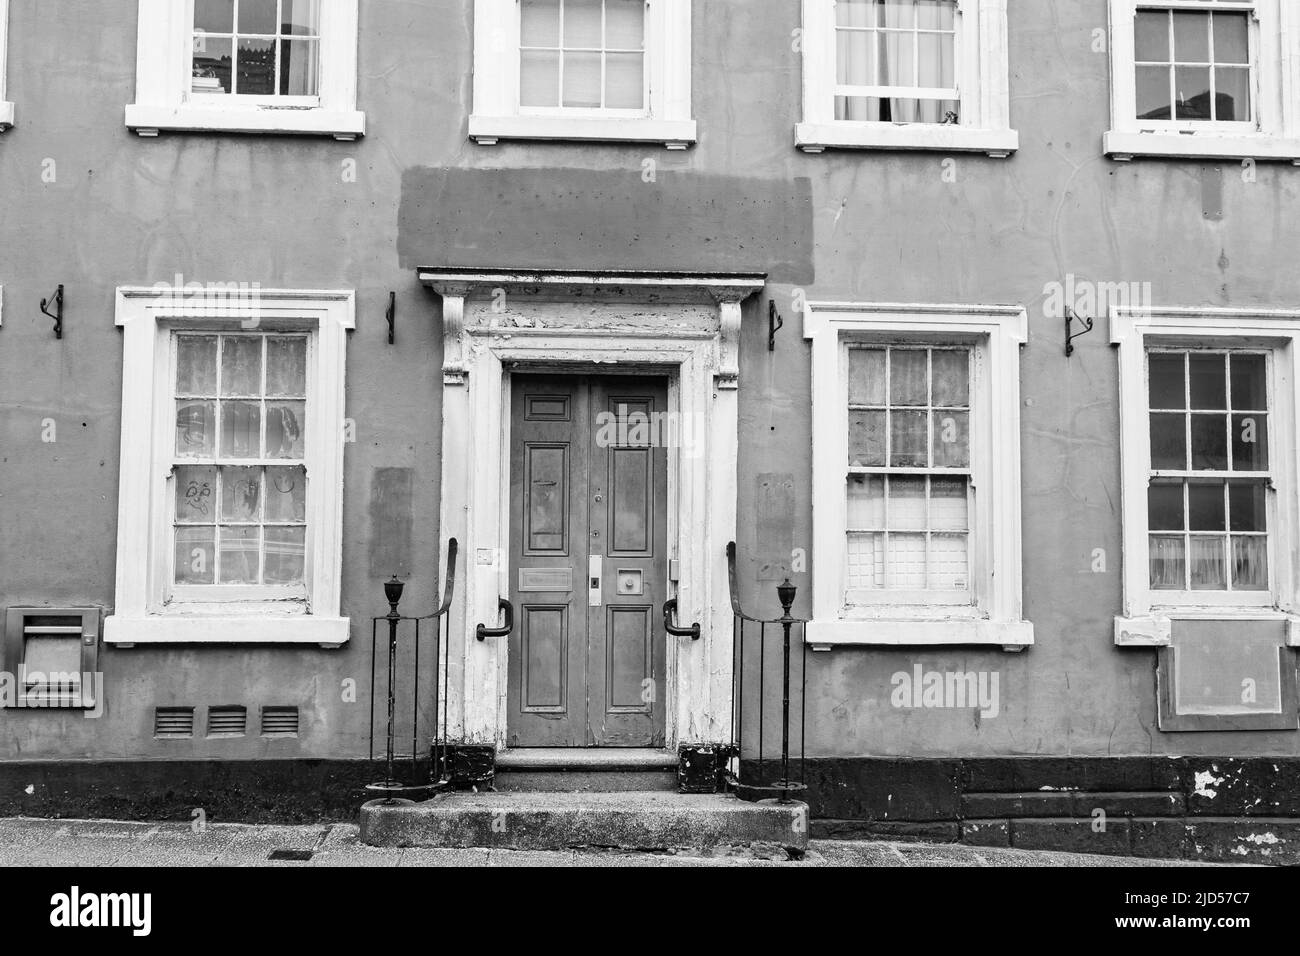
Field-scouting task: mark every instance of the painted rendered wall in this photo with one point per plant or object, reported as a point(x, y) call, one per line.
point(840, 226)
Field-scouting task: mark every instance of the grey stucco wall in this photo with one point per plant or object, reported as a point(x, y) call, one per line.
point(839, 226)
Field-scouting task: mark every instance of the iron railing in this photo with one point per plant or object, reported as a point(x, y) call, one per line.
point(752, 761)
point(416, 781)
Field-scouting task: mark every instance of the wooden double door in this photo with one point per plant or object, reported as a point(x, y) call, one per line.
point(588, 560)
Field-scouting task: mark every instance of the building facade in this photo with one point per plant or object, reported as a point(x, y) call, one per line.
point(660, 276)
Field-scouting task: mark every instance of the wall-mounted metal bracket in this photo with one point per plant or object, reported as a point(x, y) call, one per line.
point(57, 314)
point(774, 322)
point(1070, 334)
point(391, 316)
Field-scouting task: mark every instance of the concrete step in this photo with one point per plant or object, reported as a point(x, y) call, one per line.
point(555, 821)
point(591, 770)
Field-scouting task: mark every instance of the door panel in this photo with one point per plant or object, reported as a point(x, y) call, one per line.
point(589, 561)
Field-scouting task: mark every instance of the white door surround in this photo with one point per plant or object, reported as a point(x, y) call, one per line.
point(682, 325)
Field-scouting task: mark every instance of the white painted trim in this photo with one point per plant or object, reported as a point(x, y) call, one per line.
point(1276, 136)
point(496, 113)
point(996, 618)
point(984, 80)
point(163, 100)
point(697, 352)
point(147, 316)
point(1143, 621)
point(6, 108)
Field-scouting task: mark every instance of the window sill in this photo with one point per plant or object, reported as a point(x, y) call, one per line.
point(816, 137)
point(674, 134)
point(1009, 635)
point(341, 124)
point(1125, 146)
point(6, 116)
point(226, 629)
point(1155, 630)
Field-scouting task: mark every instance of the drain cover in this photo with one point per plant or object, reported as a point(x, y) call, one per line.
point(291, 854)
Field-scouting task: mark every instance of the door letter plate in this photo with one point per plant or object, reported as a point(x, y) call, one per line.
point(594, 573)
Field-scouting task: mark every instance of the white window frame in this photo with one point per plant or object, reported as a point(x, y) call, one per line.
point(982, 80)
point(1147, 615)
point(994, 617)
point(164, 102)
point(497, 114)
point(1275, 132)
point(148, 318)
point(6, 107)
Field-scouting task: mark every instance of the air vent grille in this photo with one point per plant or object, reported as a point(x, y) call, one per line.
point(227, 721)
point(279, 721)
point(173, 722)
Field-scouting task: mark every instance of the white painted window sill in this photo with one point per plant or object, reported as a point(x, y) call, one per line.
point(1009, 635)
point(6, 116)
point(341, 124)
point(226, 629)
point(1124, 146)
point(1155, 629)
point(816, 137)
point(673, 134)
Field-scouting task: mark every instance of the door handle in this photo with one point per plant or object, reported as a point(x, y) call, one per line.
point(670, 616)
point(504, 630)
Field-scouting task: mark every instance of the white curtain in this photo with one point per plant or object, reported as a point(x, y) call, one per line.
point(885, 58)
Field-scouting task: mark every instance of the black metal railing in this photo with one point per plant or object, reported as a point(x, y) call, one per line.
point(416, 781)
point(768, 702)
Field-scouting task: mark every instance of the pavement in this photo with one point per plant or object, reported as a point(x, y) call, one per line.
point(89, 843)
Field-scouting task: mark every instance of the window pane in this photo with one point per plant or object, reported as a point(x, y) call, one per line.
point(951, 378)
point(241, 494)
point(285, 548)
point(908, 377)
point(1168, 562)
point(935, 59)
point(257, 16)
point(239, 554)
point(855, 58)
point(949, 564)
point(286, 367)
point(241, 366)
point(1249, 563)
point(1192, 89)
point(255, 67)
point(909, 437)
point(624, 82)
point(899, 14)
point(285, 425)
point(866, 438)
point(195, 561)
point(1168, 442)
point(906, 561)
point(582, 27)
point(196, 365)
point(625, 24)
point(935, 14)
point(907, 504)
point(539, 79)
point(949, 505)
point(241, 430)
point(540, 23)
point(1205, 507)
point(301, 18)
point(1191, 37)
point(214, 16)
point(1165, 506)
point(299, 67)
point(1151, 36)
point(1153, 93)
point(286, 494)
point(1209, 442)
point(1206, 562)
point(1232, 97)
point(865, 561)
point(1167, 386)
point(196, 490)
point(582, 80)
point(1250, 442)
point(866, 503)
point(213, 63)
point(866, 376)
point(1248, 383)
point(196, 429)
point(1231, 38)
point(951, 439)
point(1247, 506)
point(1207, 374)
point(855, 13)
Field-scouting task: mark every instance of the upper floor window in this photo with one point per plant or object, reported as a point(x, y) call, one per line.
point(6, 108)
point(582, 70)
point(906, 74)
point(1203, 78)
point(275, 66)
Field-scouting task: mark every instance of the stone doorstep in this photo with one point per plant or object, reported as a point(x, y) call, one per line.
point(554, 821)
point(607, 769)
